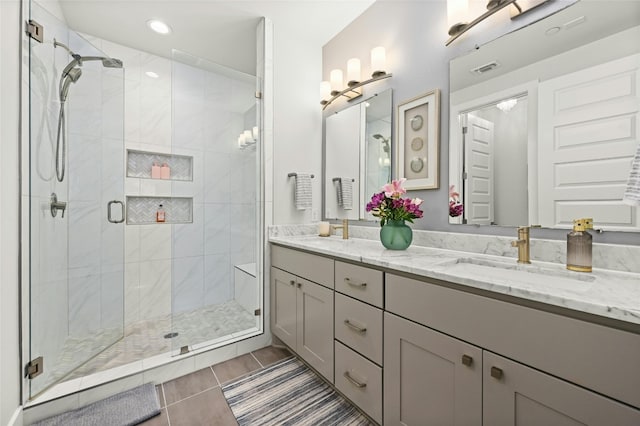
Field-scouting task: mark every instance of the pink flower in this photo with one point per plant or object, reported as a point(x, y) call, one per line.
point(452, 193)
point(394, 189)
point(417, 201)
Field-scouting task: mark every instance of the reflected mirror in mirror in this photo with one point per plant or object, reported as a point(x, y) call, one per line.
point(357, 156)
point(547, 134)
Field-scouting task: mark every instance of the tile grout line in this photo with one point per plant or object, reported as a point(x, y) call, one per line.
point(191, 396)
point(166, 410)
point(257, 360)
point(215, 376)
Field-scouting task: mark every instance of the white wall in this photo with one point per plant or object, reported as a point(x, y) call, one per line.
point(10, 32)
point(297, 123)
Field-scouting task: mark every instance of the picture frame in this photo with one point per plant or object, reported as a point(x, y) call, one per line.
point(418, 146)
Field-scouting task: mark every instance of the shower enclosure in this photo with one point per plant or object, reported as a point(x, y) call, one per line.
point(117, 135)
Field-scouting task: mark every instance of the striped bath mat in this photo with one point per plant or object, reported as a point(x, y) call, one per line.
point(289, 393)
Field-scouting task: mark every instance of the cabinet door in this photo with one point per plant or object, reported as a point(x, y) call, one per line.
point(518, 395)
point(315, 326)
point(429, 378)
point(283, 306)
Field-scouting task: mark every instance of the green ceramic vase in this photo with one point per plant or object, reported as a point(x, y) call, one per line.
point(396, 235)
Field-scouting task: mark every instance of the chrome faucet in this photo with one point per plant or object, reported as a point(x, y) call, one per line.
point(523, 244)
point(344, 227)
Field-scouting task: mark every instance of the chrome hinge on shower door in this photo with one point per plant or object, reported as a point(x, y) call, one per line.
point(35, 31)
point(34, 368)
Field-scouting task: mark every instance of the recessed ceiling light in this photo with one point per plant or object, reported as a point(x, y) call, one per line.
point(152, 74)
point(159, 26)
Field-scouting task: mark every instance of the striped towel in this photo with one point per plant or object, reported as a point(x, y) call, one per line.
point(632, 193)
point(346, 190)
point(302, 195)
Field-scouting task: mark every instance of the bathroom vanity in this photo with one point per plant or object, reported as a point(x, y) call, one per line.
point(434, 336)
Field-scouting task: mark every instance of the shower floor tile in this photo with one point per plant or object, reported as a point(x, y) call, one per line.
point(145, 339)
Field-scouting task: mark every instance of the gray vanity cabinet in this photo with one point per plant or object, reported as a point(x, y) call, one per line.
point(429, 377)
point(515, 394)
point(302, 310)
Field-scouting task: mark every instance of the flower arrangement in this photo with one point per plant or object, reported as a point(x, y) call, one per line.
point(389, 204)
point(455, 206)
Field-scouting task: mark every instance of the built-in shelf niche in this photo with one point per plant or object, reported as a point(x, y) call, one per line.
point(141, 210)
point(139, 164)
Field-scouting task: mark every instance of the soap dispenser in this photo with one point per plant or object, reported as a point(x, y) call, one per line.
point(579, 246)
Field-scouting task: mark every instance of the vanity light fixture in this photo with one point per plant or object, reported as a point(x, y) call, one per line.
point(248, 138)
point(159, 26)
point(335, 87)
point(458, 11)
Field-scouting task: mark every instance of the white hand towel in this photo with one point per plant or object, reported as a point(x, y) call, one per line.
point(346, 188)
point(338, 184)
point(302, 196)
point(632, 193)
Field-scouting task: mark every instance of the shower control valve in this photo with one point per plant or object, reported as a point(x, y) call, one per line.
point(57, 205)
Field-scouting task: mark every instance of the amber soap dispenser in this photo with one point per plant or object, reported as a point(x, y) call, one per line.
point(579, 246)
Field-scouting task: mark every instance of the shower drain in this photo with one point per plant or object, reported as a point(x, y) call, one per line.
point(170, 335)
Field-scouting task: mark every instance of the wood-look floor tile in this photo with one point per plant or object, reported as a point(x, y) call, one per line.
point(234, 368)
point(207, 408)
point(271, 354)
point(159, 420)
point(191, 384)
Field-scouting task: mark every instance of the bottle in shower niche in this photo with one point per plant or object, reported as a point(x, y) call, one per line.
point(155, 170)
point(165, 171)
point(160, 214)
point(579, 246)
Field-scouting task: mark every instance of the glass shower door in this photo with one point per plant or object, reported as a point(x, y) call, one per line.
point(76, 201)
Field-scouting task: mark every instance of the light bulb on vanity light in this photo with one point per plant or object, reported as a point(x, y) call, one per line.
point(378, 61)
point(353, 71)
point(457, 15)
point(241, 141)
point(255, 133)
point(337, 81)
point(248, 136)
point(325, 92)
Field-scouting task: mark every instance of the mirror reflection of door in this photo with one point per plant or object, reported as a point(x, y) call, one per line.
point(495, 163)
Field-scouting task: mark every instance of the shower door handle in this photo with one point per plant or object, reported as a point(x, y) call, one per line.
point(109, 205)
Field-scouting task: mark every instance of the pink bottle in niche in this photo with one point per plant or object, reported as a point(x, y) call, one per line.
point(165, 171)
point(155, 170)
point(160, 215)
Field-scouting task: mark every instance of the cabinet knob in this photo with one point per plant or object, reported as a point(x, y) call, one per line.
point(353, 381)
point(353, 284)
point(292, 282)
point(467, 360)
point(299, 285)
point(497, 373)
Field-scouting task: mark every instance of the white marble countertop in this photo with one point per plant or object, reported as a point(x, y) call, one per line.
point(606, 293)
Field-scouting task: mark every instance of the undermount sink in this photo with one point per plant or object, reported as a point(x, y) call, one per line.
point(513, 270)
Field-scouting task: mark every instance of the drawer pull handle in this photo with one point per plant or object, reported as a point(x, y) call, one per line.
point(292, 282)
point(355, 327)
point(467, 360)
point(496, 373)
point(353, 381)
point(352, 284)
point(299, 285)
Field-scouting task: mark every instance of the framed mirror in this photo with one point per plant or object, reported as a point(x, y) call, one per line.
point(357, 156)
point(543, 122)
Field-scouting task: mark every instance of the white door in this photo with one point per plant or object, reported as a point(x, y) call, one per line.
point(478, 166)
point(587, 140)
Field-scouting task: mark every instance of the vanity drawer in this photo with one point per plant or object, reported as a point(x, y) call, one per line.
point(359, 326)
point(360, 380)
point(360, 282)
point(311, 267)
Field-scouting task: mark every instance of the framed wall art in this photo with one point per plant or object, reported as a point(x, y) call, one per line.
point(418, 139)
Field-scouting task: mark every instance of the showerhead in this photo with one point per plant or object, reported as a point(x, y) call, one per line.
point(72, 75)
point(385, 142)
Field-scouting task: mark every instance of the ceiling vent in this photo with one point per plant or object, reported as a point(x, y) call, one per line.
point(484, 68)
